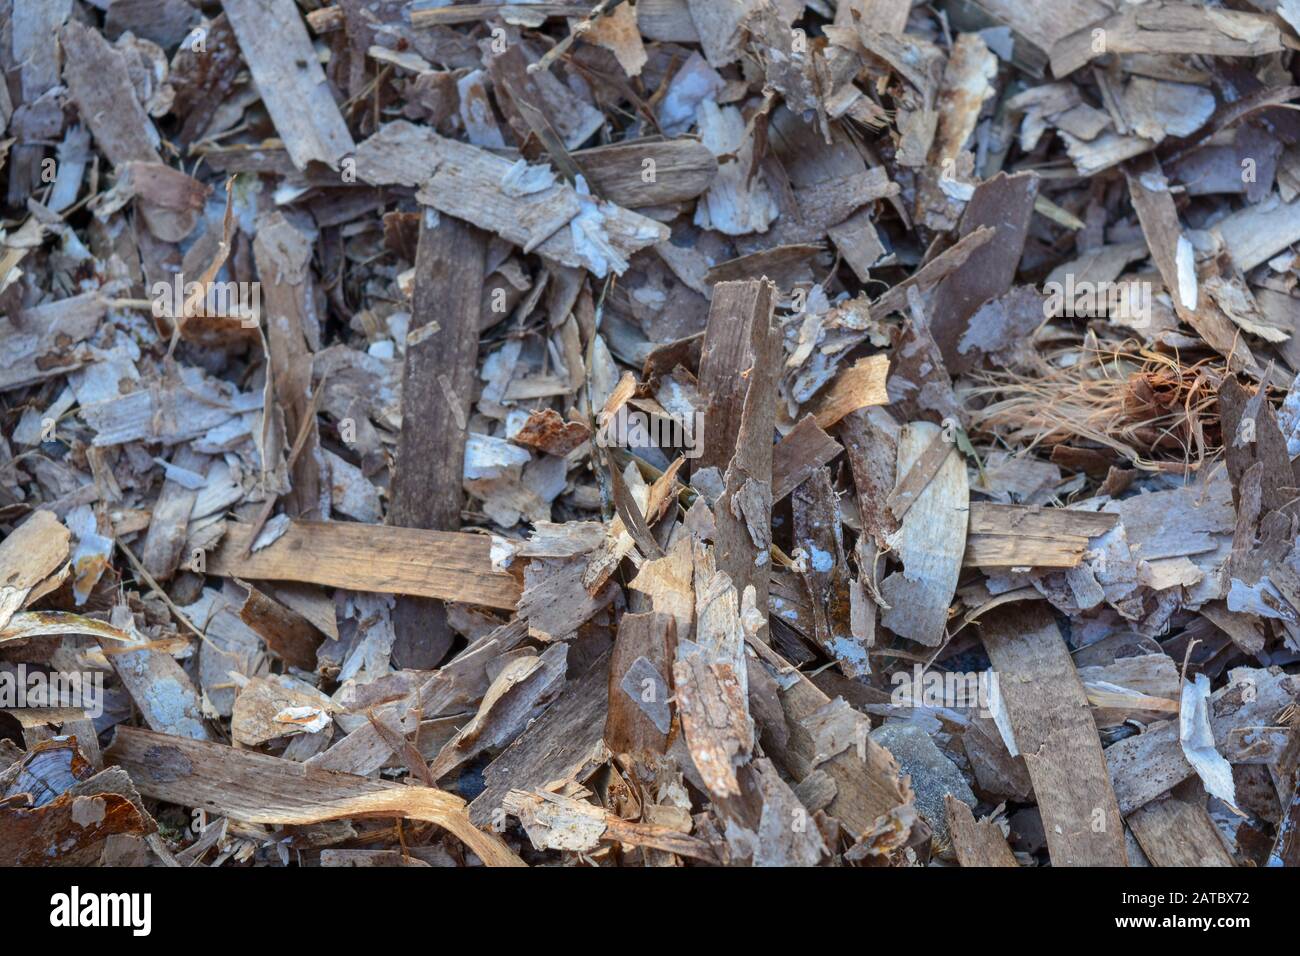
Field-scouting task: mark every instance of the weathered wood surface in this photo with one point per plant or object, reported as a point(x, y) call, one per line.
point(437, 392)
point(1048, 713)
point(437, 564)
point(258, 788)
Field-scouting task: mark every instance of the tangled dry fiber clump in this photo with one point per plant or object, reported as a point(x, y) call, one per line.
point(1150, 407)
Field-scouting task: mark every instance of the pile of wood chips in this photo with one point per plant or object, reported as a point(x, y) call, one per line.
point(681, 432)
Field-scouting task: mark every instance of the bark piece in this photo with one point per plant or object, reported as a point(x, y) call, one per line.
point(1047, 711)
point(930, 542)
point(289, 78)
point(803, 450)
point(436, 564)
point(538, 213)
point(640, 668)
point(100, 85)
point(256, 788)
point(976, 843)
point(437, 392)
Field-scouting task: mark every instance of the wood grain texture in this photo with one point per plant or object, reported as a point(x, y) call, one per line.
point(859, 386)
point(100, 84)
point(1241, 712)
point(165, 541)
point(640, 668)
point(975, 843)
point(1054, 730)
point(867, 781)
point(437, 392)
point(288, 634)
point(283, 256)
point(738, 372)
point(464, 181)
point(1176, 830)
point(440, 564)
point(682, 170)
point(803, 450)
point(1162, 229)
point(930, 543)
point(1168, 28)
point(871, 446)
point(280, 55)
point(564, 743)
point(1029, 536)
point(257, 788)
point(28, 555)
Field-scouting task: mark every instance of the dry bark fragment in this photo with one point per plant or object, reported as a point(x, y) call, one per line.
point(930, 542)
point(976, 843)
point(451, 566)
point(289, 78)
point(1047, 710)
point(437, 385)
point(257, 788)
point(100, 85)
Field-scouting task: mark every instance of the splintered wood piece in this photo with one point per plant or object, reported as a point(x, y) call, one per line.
point(1025, 536)
point(859, 386)
point(715, 720)
point(1242, 719)
point(288, 635)
point(871, 446)
point(665, 585)
point(458, 685)
point(803, 450)
point(565, 743)
point(930, 543)
point(447, 565)
point(1005, 204)
point(162, 690)
point(710, 679)
point(1169, 28)
point(164, 544)
point(975, 843)
point(437, 393)
point(289, 78)
point(682, 170)
point(738, 375)
point(818, 532)
point(257, 788)
point(521, 689)
point(557, 598)
point(283, 256)
point(640, 667)
point(919, 474)
point(1256, 439)
point(536, 103)
point(27, 624)
point(540, 214)
point(45, 341)
point(933, 272)
point(1154, 204)
point(1177, 831)
point(36, 549)
point(1047, 710)
point(99, 82)
point(736, 336)
point(869, 791)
